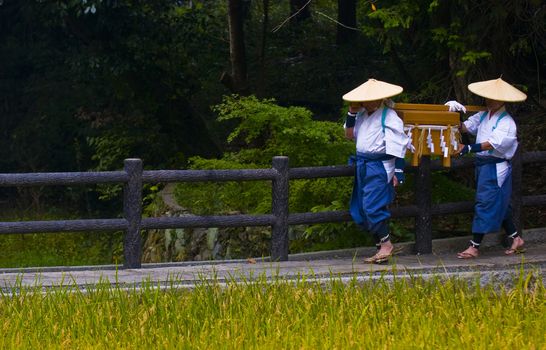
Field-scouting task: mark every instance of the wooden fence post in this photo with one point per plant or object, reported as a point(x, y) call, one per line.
point(423, 200)
point(279, 208)
point(132, 210)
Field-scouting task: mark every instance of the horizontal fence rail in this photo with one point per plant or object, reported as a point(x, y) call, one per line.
point(154, 176)
point(133, 178)
point(64, 226)
point(192, 221)
point(54, 179)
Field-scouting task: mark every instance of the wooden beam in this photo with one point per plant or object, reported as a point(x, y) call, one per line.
point(429, 117)
point(420, 107)
point(433, 107)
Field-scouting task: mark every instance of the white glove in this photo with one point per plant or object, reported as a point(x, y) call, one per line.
point(455, 106)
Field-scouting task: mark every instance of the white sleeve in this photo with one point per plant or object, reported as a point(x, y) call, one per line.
point(396, 140)
point(473, 122)
point(503, 137)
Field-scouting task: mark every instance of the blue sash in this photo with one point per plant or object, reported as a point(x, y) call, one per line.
point(372, 193)
point(488, 160)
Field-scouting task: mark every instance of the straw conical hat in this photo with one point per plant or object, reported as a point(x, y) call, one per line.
point(498, 90)
point(372, 90)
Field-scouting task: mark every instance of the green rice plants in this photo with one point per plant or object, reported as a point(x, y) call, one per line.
point(272, 312)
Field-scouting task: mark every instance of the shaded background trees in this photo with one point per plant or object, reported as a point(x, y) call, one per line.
point(86, 83)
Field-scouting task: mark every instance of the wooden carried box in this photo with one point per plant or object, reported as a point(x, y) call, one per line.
point(432, 128)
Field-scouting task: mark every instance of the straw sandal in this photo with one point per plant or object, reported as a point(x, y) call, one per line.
point(467, 255)
point(518, 249)
point(378, 258)
point(395, 251)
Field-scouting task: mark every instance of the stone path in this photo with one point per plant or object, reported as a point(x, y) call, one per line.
point(492, 265)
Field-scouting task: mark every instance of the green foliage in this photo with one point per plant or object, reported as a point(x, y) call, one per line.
point(161, 60)
point(478, 34)
point(117, 142)
point(472, 57)
point(152, 203)
point(223, 197)
point(131, 59)
point(446, 190)
point(265, 130)
point(393, 20)
point(330, 236)
point(473, 40)
point(61, 249)
point(40, 249)
point(333, 235)
point(85, 84)
point(57, 248)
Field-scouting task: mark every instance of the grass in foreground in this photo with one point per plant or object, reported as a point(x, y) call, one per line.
point(60, 249)
point(406, 314)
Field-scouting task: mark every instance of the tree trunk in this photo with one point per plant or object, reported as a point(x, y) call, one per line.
point(297, 5)
point(346, 15)
point(458, 81)
point(406, 75)
point(445, 12)
point(237, 80)
point(265, 25)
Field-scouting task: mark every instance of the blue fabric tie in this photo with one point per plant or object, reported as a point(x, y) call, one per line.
point(488, 160)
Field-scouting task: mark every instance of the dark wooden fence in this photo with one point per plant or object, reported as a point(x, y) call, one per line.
point(133, 177)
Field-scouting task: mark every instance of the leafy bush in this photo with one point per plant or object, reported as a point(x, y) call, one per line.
point(223, 197)
point(265, 130)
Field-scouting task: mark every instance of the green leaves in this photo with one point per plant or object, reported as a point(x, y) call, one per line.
point(387, 23)
point(399, 16)
point(473, 57)
point(264, 130)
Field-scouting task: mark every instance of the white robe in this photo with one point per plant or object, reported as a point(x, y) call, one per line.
point(501, 135)
point(370, 137)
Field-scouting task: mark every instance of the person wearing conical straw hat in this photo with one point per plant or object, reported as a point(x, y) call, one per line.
point(496, 144)
point(380, 147)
